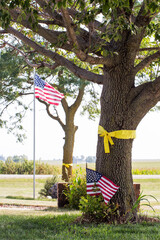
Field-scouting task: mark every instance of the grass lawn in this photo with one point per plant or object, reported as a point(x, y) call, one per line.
point(58, 224)
point(24, 188)
point(20, 187)
point(150, 187)
point(63, 227)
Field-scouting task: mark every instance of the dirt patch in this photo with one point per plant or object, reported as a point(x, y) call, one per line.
point(23, 207)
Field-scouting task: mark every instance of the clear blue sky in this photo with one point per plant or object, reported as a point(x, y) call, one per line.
point(49, 137)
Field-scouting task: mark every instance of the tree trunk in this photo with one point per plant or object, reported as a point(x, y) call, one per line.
point(116, 165)
point(70, 130)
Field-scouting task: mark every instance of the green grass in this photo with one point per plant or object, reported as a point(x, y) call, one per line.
point(17, 191)
point(63, 228)
point(150, 187)
point(20, 187)
point(58, 224)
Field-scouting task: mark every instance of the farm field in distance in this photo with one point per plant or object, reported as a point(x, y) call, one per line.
point(151, 164)
point(136, 164)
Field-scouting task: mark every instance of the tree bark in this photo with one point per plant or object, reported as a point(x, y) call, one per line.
point(68, 147)
point(116, 165)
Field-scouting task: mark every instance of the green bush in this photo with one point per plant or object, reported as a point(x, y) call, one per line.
point(44, 192)
point(95, 209)
point(76, 190)
point(9, 167)
point(1, 167)
point(26, 167)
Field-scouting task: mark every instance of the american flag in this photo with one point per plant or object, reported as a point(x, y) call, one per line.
point(98, 184)
point(46, 92)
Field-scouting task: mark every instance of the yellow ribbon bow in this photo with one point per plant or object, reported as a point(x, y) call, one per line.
point(67, 164)
point(121, 134)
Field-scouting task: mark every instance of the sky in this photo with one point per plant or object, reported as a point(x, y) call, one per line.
point(49, 137)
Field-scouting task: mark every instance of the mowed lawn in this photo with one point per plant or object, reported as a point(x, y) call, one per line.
point(53, 223)
point(20, 187)
point(63, 227)
point(15, 187)
point(24, 188)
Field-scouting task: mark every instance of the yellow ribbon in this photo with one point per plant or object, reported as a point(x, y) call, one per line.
point(67, 164)
point(121, 134)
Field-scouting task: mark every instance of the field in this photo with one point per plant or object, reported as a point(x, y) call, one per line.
point(151, 164)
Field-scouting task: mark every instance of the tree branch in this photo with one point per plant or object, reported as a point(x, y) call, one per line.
point(73, 39)
point(52, 14)
point(145, 62)
point(78, 100)
point(3, 31)
point(54, 37)
point(77, 71)
point(57, 118)
point(78, 45)
point(34, 65)
point(97, 25)
point(64, 105)
point(143, 18)
point(6, 106)
point(144, 97)
point(149, 49)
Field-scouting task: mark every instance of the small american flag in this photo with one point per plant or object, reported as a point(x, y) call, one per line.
point(98, 184)
point(46, 92)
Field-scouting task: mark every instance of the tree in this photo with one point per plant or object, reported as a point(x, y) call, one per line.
point(105, 42)
point(12, 87)
point(75, 88)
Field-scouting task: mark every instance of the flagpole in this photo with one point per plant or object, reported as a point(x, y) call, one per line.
point(34, 139)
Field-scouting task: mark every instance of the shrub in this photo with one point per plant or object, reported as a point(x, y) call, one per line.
point(95, 209)
point(1, 167)
point(76, 190)
point(44, 192)
point(26, 167)
point(9, 167)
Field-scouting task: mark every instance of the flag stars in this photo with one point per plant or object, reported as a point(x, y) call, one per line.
point(46, 92)
point(98, 184)
point(39, 82)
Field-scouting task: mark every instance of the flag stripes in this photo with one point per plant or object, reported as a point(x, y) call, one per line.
point(98, 184)
point(46, 92)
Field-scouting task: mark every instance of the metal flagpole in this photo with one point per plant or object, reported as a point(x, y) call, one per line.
point(34, 152)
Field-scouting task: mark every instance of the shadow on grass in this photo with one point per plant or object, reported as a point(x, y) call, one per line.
point(19, 198)
point(64, 228)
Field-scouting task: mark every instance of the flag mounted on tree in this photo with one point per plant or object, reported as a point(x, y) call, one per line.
point(46, 92)
point(98, 184)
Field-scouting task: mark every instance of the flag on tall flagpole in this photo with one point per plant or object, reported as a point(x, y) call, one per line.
point(98, 184)
point(46, 92)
